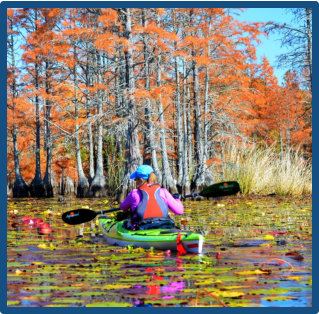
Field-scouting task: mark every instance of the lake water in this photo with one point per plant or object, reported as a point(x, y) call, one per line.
point(257, 253)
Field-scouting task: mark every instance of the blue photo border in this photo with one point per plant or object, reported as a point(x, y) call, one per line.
point(139, 4)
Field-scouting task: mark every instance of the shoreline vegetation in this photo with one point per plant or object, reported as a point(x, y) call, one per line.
point(259, 171)
point(93, 93)
point(264, 171)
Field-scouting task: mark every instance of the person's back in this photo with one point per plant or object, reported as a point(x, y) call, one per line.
point(149, 200)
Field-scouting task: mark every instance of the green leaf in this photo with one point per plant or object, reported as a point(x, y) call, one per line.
point(109, 304)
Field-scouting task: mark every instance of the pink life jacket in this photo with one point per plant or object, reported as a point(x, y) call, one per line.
point(151, 205)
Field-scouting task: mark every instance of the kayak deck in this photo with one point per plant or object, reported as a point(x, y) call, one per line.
point(162, 239)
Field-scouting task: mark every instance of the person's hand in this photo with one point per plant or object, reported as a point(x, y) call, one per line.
point(177, 196)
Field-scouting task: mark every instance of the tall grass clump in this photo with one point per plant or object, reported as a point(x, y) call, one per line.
point(263, 171)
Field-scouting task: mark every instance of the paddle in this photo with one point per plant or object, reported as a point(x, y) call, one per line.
point(81, 215)
point(217, 190)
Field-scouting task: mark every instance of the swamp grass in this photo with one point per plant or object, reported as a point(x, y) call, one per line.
point(264, 171)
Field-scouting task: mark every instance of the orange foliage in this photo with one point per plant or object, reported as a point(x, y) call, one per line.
point(241, 93)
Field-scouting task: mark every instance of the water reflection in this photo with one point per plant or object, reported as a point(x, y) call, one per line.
point(72, 266)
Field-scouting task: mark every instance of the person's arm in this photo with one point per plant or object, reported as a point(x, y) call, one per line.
point(175, 205)
point(131, 201)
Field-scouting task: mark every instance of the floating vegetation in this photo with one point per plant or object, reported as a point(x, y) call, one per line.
point(257, 252)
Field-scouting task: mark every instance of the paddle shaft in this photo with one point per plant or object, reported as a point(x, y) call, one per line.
point(81, 215)
point(78, 216)
point(190, 195)
point(104, 211)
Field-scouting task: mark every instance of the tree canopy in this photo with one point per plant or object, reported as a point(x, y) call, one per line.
point(95, 92)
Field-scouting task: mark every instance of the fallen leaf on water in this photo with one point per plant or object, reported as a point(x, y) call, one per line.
point(109, 304)
point(116, 286)
point(294, 278)
point(295, 255)
point(252, 272)
point(43, 246)
point(227, 294)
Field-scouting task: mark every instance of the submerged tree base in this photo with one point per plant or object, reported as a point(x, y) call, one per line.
point(82, 191)
point(37, 189)
point(20, 189)
point(48, 190)
point(202, 181)
point(97, 190)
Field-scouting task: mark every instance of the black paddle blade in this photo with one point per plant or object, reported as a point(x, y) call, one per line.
point(221, 189)
point(78, 216)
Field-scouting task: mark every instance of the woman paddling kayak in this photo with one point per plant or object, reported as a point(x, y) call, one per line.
point(149, 201)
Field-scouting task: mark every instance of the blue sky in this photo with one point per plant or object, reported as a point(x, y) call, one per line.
point(271, 46)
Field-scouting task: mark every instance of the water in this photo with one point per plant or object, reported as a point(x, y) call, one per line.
point(257, 253)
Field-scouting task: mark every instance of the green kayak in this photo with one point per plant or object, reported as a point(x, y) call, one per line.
point(162, 239)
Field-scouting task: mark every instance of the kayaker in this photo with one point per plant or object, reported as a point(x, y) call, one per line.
point(149, 200)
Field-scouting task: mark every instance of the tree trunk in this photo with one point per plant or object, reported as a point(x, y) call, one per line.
point(185, 180)
point(190, 136)
point(150, 132)
point(20, 187)
point(98, 185)
point(203, 176)
point(47, 181)
point(180, 151)
point(88, 82)
point(91, 151)
point(198, 143)
point(37, 186)
point(133, 154)
point(83, 184)
point(167, 179)
point(288, 123)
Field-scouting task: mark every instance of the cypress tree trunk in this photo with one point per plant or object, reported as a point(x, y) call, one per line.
point(309, 43)
point(133, 154)
point(150, 132)
point(47, 181)
point(203, 176)
point(83, 184)
point(288, 122)
point(167, 179)
point(89, 116)
point(20, 187)
point(180, 151)
point(185, 180)
point(190, 135)
point(198, 143)
point(37, 186)
point(91, 150)
point(98, 185)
